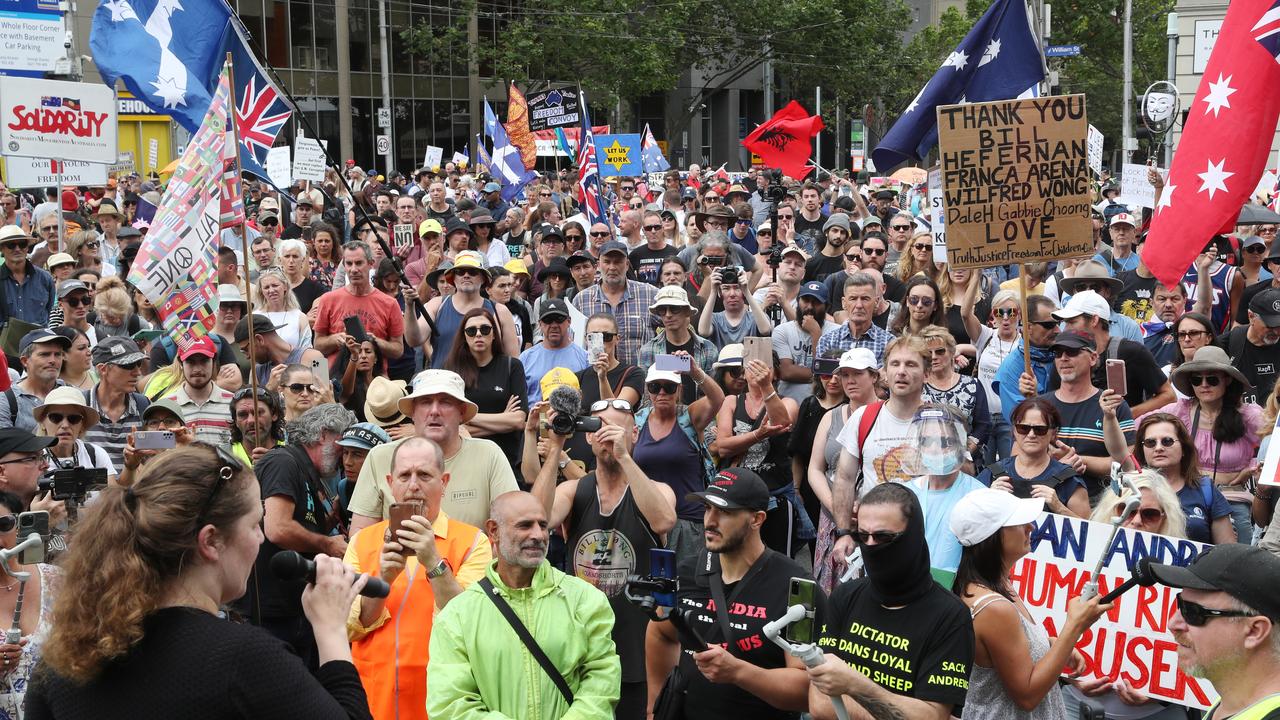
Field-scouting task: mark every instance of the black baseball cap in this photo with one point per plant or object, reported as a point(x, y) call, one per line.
point(579, 257)
point(1245, 572)
point(261, 326)
point(1075, 341)
point(735, 488)
point(554, 306)
point(1266, 305)
point(18, 440)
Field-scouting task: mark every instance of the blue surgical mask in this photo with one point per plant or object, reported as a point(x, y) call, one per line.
point(942, 463)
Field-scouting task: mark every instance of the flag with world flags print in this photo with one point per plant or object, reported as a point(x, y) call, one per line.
point(169, 54)
point(589, 195)
point(176, 265)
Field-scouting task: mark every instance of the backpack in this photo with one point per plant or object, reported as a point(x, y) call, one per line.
point(686, 424)
point(869, 414)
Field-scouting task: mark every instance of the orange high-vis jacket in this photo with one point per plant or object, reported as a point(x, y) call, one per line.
point(392, 677)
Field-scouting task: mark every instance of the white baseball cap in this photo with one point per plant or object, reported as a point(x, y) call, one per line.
point(982, 513)
point(656, 375)
point(1087, 302)
point(859, 358)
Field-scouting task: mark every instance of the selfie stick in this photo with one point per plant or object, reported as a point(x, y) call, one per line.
point(1131, 502)
point(808, 653)
point(30, 543)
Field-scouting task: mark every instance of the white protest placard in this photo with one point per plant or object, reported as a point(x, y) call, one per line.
point(279, 166)
point(1266, 183)
point(153, 153)
point(402, 236)
point(1095, 149)
point(431, 160)
point(937, 215)
point(308, 160)
point(123, 164)
point(460, 158)
point(1132, 640)
point(1135, 189)
point(35, 172)
point(56, 119)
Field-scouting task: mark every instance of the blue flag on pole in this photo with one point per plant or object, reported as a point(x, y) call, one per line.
point(998, 60)
point(507, 166)
point(169, 54)
point(491, 123)
point(619, 155)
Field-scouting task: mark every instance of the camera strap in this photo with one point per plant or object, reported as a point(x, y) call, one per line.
point(523, 633)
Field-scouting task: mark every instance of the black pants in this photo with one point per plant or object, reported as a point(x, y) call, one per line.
point(632, 701)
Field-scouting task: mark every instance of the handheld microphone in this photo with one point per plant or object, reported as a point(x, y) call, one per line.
point(1142, 575)
point(289, 565)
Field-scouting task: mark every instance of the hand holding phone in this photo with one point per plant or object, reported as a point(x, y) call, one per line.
point(355, 328)
point(398, 513)
point(671, 363)
point(1116, 378)
point(154, 440)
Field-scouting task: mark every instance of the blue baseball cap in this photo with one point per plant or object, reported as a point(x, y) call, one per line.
point(815, 290)
point(364, 436)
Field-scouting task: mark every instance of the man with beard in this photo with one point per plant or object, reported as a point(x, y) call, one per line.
point(1225, 627)
point(809, 220)
point(793, 342)
point(257, 427)
point(898, 644)
point(555, 351)
point(1253, 347)
point(830, 257)
point(301, 515)
point(869, 255)
point(206, 408)
point(786, 290)
point(627, 300)
point(41, 352)
point(1013, 382)
point(739, 585)
point(613, 517)
point(479, 662)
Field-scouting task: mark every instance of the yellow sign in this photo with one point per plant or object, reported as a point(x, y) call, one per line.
point(617, 155)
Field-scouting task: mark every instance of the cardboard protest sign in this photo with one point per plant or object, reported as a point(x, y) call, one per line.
point(279, 166)
point(1016, 180)
point(937, 216)
point(57, 119)
point(1095, 149)
point(1133, 638)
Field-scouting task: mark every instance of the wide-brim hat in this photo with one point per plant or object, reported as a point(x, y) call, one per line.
point(720, 211)
point(382, 402)
point(1209, 358)
point(671, 296)
point(557, 266)
point(67, 396)
point(470, 259)
point(439, 382)
point(1089, 271)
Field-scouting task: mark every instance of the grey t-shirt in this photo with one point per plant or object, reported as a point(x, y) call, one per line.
point(792, 343)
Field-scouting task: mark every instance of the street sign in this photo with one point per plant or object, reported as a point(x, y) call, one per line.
point(1062, 51)
point(384, 144)
point(384, 117)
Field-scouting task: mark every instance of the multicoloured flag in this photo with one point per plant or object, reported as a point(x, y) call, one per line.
point(589, 195)
point(176, 267)
point(517, 127)
point(482, 155)
point(507, 167)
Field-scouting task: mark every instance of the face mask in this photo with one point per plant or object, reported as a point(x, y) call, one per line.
point(899, 572)
point(943, 463)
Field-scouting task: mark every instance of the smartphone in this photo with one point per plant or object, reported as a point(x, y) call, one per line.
point(153, 440)
point(1116, 377)
point(671, 363)
point(825, 366)
point(402, 236)
point(662, 563)
point(307, 233)
point(355, 328)
point(757, 348)
point(399, 513)
point(801, 592)
point(33, 523)
point(595, 345)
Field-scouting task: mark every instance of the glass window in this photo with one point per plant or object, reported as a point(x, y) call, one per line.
point(326, 35)
point(276, 40)
point(358, 28)
point(301, 36)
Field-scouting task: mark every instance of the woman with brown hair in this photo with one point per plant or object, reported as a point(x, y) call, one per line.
point(494, 382)
point(1163, 444)
point(169, 552)
point(918, 258)
point(325, 253)
point(922, 306)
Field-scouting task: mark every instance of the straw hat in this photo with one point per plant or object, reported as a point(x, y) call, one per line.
point(70, 397)
point(382, 402)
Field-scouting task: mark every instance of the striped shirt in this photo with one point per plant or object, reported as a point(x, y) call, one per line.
point(631, 313)
point(1082, 430)
point(210, 420)
point(110, 435)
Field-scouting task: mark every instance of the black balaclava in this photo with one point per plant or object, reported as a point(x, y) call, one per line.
point(899, 572)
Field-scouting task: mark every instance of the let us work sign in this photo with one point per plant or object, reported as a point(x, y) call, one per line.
point(1016, 180)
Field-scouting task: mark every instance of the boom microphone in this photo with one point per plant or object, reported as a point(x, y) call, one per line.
point(1142, 575)
point(289, 565)
point(565, 401)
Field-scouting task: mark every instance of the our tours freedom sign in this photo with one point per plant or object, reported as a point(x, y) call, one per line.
point(1131, 641)
point(1016, 180)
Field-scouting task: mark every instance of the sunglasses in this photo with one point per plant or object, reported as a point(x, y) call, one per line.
point(1029, 429)
point(627, 187)
point(1046, 324)
point(1148, 515)
point(1067, 352)
point(658, 387)
point(1005, 312)
point(228, 466)
point(554, 319)
point(544, 194)
point(57, 418)
point(1162, 442)
point(899, 227)
point(939, 352)
point(882, 537)
point(1190, 334)
point(1096, 287)
point(21, 246)
point(77, 302)
point(1210, 380)
point(1267, 231)
point(599, 234)
point(1257, 249)
point(1197, 615)
point(764, 233)
point(615, 403)
point(8, 522)
point(786, 217)
point(920, 300)
point(653, 228)
point(733, 372)
point(742, 221)
point(609, 336)
point(299, 388)
point(269, 223)
point(475, 330)
point(711, 200)
point(853, 256)
point(921, 246)
point(874, 251)
point(573, 238)
point(468, 271)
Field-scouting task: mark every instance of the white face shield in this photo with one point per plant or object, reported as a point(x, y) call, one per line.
point(939, 439)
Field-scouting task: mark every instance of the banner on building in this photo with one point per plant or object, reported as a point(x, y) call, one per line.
point(32, 38)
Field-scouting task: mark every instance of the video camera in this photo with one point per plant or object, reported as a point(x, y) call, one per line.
point(569, 424)
point(71, 484)
point(655, 594)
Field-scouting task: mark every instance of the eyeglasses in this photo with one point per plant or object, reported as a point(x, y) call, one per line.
point(49, 229)
point(653, 228)
point(920, 300)
point(1259, 249)
point(599, 234)
point(657, 387)
point(1210, 380)
point(1029, 429)
point(39, 459)
point(77, 302)
point(1148, 515)
point(475, 330)
point(299, 388)
point(8, 522)
point(616, 404)
point(1046, 324)
point(1190, 334)
point(946, 443)
point(882, 537)
point(57, 418)
point(1197, 615)
point(1005, 312)
point(874, 251)
point(228, 467)
point(711, 199)
point(1067, 352)
point(1162, 442)
point(921, 246)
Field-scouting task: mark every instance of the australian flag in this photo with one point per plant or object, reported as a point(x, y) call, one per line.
point(998, 60)
point(169, 54)
point(651, 153)
point(589, 195)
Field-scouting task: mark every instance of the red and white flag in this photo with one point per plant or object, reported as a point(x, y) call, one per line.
point(1231, 123)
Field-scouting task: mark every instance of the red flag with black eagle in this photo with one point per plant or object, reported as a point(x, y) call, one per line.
point(783, 140)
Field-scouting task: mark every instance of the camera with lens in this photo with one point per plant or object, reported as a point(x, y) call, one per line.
point(71, 484)
point(730, 276)
point(566, 425)
point(775, 255)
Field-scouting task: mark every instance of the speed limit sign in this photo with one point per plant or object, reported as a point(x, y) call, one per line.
point(384, 144)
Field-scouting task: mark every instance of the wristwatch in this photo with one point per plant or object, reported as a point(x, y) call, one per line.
point(564, 464)
point(843, 532)
point(438, 570)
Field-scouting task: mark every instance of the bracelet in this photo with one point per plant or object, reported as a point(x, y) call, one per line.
point(770, 396)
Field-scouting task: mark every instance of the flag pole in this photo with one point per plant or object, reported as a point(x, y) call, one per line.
point(604, 208)
point(244, 244)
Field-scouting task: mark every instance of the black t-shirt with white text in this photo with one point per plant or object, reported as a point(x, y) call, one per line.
point(1258, 363)
point(760, 596)
point(646, 263)
point(923, 650)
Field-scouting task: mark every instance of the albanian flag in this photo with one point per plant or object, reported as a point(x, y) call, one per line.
point(783, 140)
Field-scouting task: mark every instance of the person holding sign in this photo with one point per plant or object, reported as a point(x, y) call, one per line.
point(1016, 665)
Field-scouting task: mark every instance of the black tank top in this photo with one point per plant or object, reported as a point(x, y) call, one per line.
point(768, 457)
point(604, 550)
